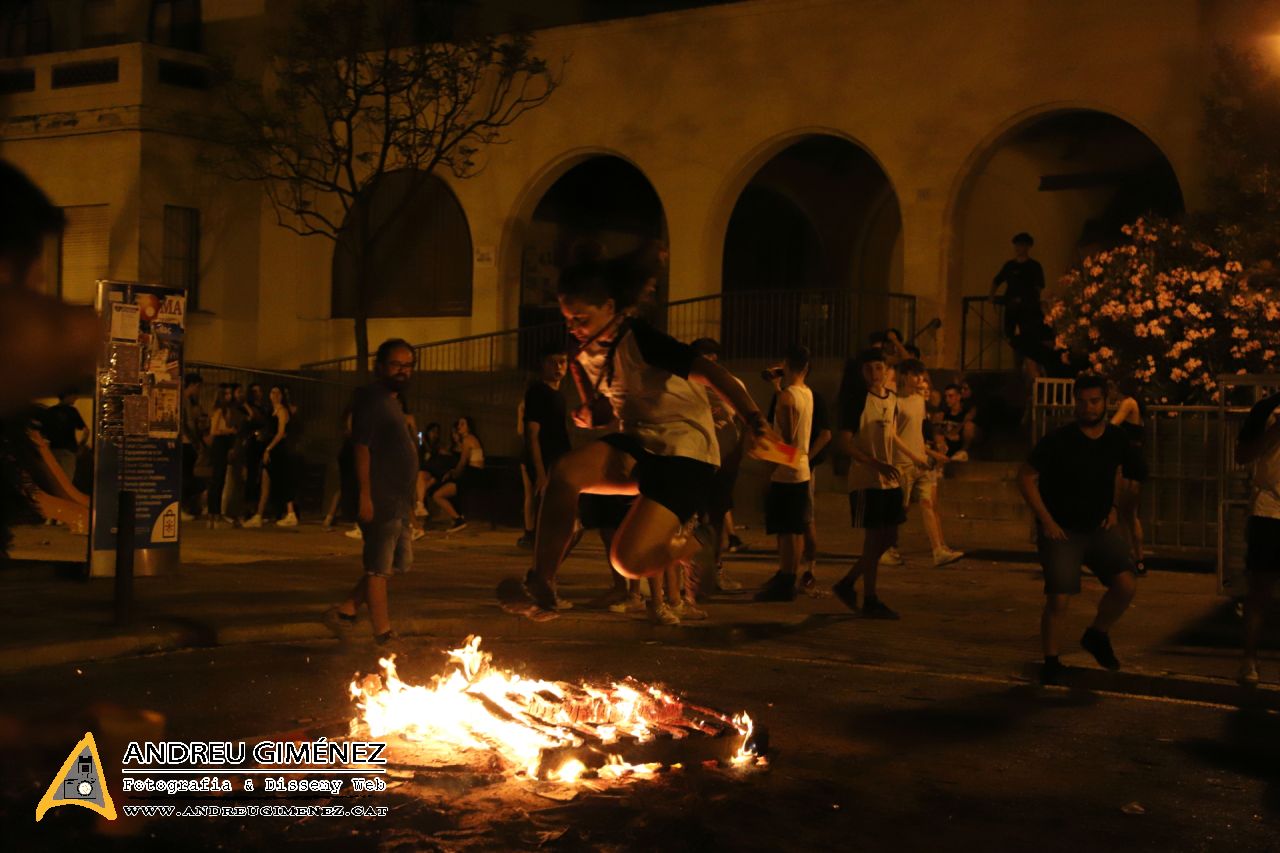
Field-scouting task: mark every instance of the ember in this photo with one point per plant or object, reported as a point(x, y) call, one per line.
point(547, 729)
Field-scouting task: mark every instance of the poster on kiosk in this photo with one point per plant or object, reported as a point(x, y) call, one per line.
point(137, 423)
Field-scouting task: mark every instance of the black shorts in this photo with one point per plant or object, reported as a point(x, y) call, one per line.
point(1138, 471)
point(603, 512)
point(720, 495)
point(1104, 551)
point(788, 509)
point(872, 509)
point(1263, 537)
point(679, 483)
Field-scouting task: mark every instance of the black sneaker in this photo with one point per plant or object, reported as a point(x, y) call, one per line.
point(541, 593)
point(1051, 671)
point(459, 523)
point(845, 591)
point(780, 587)
point(338, 623)
point(735, 544)
point(1098, 644)
point(874, 608)
point(525, 541)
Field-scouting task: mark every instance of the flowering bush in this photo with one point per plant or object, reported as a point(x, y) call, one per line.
point(1169, 311)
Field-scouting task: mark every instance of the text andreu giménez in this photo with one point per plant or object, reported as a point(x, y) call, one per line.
point(322, 752)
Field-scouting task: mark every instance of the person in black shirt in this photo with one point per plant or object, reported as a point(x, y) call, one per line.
point(1070, 483)
point(546, 430)
point(65, 430)
point(1023, 278)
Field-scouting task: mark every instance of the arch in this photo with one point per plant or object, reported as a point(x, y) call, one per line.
point(1072, 171)
point(421, 264)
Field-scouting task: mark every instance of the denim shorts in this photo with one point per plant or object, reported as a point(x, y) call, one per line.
point(388, 547)
point(1104, 551)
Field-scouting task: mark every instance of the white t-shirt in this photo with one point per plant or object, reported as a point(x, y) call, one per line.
point(911, 418)
point(800, 398)
point(874, 427)
point(1265, 471)
point(645, 375)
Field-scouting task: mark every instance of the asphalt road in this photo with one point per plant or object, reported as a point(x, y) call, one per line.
point(865, 757)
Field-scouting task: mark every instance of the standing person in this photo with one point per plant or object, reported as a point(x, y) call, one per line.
point(666, 450)
point(257, 411)
point(917, 462)
point(195, 435)
point(465, 473)
point(1258, 445)
point(867, 432)
point(222, 442)
point(1023, 280)
point(386, 469)
point(1129, 417)
point(788, 505)
point(277, 461)
point(1070, 482)
point(546, 429)
point(65, 430)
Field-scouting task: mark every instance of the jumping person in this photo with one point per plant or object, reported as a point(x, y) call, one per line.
point(1070, 481)
point(1258, 445)
point(789, 505)
point(386, 468)
point(666, 450)
point(867, 432)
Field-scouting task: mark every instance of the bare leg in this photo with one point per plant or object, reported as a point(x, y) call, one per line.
point(441, 498)
point(598, 468)
point(649, 540)
point(1116, 601)
point(671, 581)
point(378, 611)
point(357, 598)
point(333, 508)
point(1127, 503)
point(878, 540)
point(1051, 623)
point(266, 492)
point(932, 524)
point(789, 548)
point(529, 515)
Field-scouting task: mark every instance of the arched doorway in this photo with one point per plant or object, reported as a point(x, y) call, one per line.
point(1071, 178)
point(602, 206)
point(812, 250)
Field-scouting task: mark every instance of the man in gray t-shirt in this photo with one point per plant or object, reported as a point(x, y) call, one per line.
point(386, 462)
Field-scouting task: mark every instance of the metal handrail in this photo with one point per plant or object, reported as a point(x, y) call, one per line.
point(992, 351)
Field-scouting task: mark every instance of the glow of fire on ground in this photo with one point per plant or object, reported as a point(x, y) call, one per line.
point(476, 706)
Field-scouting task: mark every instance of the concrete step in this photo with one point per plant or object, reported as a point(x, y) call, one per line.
point(993, 509)
point(973, 490)
point(982, 471)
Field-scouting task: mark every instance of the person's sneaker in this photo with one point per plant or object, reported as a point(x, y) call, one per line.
point(525, 541)
point(289, 520)
point(631, 604)
point(338, 624)
point(891, 557)
point(611, 596)
point(1248, 675)
point(735, 544)
point(780, 587)
point(561, 604)
point(353, 533)
point(724, 583)
point(417, 534)
point(1098, 644)
point(848, 595)
point(960, 456)
point(946, 556)
point(183, 514)
point(388, 642)
point(687, 610)
point(420, 510)
point(662, 614)
point(255, 521)
point(809, 585)
point(459, 523)
point(874, 608)
point(1051, 671)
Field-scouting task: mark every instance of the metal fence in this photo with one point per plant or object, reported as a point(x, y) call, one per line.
point(983, 345)
point(833, 323)
point(1195, 498)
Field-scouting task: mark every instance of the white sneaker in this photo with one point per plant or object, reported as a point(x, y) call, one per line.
point(631, 604)
point(1248, 676)
point(688, 610)
point(724, 583)
point(960, 456)
point(289, 520)
point(354, 533)
point(419, 510)
point(946, 556)
point(256, 521)
point(417, 533)
point(663, 615)
point(891, 557)
point(183, 514)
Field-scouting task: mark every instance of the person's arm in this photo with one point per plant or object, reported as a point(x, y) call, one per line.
point(1029, 485)
point(282, 423)
point(1255, 439)
point(898, 443)
point(1122, 411)
point(464, 452)
point(999, 279)
point(819, 443)
point(733, 392)
point(1113, 514)
point(849, 447)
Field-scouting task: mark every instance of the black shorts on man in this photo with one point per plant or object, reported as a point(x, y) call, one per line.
point(788, 509)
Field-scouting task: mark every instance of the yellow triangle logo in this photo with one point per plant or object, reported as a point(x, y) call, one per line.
point(79, 783)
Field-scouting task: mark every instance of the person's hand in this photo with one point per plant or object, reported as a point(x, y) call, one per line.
point(365, 513)
point(541, 485)
point(1052, 530)
point(887, 471)
point(266, 457)
point(1113, 518)
point(582, 417)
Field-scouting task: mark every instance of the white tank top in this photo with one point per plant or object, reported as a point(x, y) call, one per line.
point(800, 398)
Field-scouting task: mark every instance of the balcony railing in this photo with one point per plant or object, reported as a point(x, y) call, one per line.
point(756, 324)
point(983, 345)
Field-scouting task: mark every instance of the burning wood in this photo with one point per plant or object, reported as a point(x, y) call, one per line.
point(545, 729)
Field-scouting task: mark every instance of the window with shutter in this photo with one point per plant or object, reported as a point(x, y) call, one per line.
point(85, 252)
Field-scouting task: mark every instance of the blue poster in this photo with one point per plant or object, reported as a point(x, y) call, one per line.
point(137, 424)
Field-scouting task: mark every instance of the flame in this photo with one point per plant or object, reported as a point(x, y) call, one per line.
point(476, 706)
